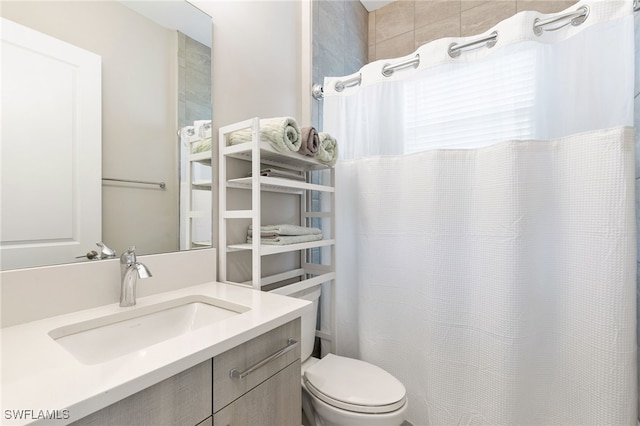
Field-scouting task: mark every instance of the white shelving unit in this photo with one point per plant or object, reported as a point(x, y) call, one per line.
point(259, 154)
point(196, 210)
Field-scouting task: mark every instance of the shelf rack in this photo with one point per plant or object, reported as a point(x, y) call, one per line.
point(204, 158)
point(259, 153)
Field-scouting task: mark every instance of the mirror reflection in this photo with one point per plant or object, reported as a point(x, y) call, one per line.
point(155, 109)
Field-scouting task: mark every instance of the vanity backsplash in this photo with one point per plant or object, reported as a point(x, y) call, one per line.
point(36, 293)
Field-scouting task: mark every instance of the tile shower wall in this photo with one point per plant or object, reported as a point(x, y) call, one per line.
point(194, 81)
point(339, 42)
point(402, 26)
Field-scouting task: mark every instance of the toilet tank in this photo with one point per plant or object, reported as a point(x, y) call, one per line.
point(308, 322)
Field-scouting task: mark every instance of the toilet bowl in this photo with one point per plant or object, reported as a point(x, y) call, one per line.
point(341, 391)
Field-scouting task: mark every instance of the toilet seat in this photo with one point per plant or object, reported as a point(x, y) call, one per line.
point(354, 385)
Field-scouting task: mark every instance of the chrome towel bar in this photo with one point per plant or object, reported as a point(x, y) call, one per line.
point(143, 182)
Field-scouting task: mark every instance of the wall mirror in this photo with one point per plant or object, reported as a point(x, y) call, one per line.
point(155, 89)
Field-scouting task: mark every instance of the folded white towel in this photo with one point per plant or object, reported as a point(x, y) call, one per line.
point(282, 132)
point(287, 229)
point(288, 239)
point(280, 174)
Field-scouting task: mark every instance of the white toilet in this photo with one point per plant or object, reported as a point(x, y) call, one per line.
point(340, 391)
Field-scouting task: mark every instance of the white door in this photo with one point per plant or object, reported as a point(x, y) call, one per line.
point(50, 149)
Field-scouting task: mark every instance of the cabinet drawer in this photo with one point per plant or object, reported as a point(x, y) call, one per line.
point(183, 399)
point(275, 402)
point(248, 359)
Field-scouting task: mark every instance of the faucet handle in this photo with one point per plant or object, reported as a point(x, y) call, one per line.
point(129, 256)
point(105, 252)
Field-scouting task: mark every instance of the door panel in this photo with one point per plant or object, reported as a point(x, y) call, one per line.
point(50, 150)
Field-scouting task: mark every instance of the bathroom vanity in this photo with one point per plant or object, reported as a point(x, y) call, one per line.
point(207, 394)
point(237, 362)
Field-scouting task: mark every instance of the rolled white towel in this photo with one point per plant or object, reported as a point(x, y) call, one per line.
point(201, 146)
point(327, 150)
point(282, 132)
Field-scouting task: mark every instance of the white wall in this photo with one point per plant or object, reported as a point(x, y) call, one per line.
point(256, 72)
point(255, 59)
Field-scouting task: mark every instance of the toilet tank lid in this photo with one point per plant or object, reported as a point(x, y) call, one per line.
point(354, 382)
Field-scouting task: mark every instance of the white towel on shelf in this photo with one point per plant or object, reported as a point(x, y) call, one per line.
point(288, 239)
point(201, 146)
point(287, 229)
point(282, 132)
point(327, 150)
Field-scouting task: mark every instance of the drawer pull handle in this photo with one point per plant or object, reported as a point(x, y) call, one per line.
point(291, 344)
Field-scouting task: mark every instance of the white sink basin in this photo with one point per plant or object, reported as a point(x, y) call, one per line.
point(104, 338)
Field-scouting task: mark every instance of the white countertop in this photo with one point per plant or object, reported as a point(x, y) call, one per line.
point(38, 374)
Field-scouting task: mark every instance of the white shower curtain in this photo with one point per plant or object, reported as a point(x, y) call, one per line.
point(486, 241)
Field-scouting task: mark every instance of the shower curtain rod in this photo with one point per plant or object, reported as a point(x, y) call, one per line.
point(574, 18)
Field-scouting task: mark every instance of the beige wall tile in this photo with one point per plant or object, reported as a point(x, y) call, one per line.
point(481, 18)
point(402, 26)
point(449, 27)
point(470, 4)
point(372, 29)
point(543, 6)
point(397, 46)
point(394, 19)
point(431, 11)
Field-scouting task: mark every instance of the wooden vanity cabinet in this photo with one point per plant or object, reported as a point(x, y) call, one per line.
point(265, 392)
point(274, 402)
point(270, 394)
point(183, 399)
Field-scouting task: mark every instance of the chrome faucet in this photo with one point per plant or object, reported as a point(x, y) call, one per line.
point(105, 253)
point(130, 271)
